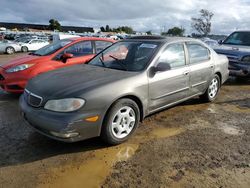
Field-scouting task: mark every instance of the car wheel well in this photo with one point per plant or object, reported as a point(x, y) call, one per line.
point(135, 99)
point(220, 76)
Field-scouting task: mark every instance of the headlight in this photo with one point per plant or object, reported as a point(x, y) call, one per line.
point(246, 59)
point(64, 105)
point(19, 68)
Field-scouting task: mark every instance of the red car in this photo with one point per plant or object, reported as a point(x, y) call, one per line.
point(15, 74)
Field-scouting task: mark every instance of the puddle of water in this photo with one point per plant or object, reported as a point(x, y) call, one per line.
point(232, 130)
point(166, 132)
point(94, 171)
point(233, 108)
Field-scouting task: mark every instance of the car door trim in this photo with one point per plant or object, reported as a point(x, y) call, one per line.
point(171, 93)
point(174, 103)
point(198, 84)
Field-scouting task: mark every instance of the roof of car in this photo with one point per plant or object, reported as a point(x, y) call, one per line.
point(159, 38)
point(89, 38)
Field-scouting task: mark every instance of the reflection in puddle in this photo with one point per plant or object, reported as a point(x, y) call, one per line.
point(93, 172)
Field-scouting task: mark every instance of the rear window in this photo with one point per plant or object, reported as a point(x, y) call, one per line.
point(197, 53)
point(101, 45)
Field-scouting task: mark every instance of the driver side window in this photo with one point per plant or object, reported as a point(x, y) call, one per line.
point(173, 55)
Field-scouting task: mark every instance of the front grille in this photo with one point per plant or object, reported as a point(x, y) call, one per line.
point(32, 99)
point(1, 77)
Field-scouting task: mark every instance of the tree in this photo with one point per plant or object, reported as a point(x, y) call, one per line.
point(102, 29)
point(54, 25)
point(149, 33)
point(176, 31)
point(107, 28)
point(203, 23)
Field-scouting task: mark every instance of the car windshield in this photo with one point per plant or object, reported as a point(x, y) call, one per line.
point(238, 38)
point(51, 48)
point(126, 55)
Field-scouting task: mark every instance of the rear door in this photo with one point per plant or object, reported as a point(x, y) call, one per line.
point(201, 67)
point(169, 86)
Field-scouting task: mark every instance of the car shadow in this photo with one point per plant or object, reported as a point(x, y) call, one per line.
point(233, 81)
point(19, 144)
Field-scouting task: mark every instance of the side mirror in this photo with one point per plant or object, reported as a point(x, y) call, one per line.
point(66, 56)
point(220, 41)
point(161, 67)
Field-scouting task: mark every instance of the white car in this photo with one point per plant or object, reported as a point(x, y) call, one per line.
point(9, 47)
point(33, 45)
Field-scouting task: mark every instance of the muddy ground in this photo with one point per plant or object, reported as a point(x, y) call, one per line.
point(190, 145)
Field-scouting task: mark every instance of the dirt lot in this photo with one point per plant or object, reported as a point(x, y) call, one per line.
point(190, 145)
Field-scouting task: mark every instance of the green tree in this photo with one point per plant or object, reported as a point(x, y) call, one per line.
point(54, 25)
point(176, 31)
point(107, 28)
point(203, 24)
point(102, 29)
point(149, 33)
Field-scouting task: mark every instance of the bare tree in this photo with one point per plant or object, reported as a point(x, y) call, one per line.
point(203, 23)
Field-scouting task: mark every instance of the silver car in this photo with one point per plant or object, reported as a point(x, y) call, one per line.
point(119, 87)
point(9, 47)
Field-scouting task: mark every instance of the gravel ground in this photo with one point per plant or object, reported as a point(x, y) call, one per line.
point(190, 145)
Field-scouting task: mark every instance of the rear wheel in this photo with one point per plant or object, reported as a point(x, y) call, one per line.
point(212, 90)
point(120, 122)
point(10, 50)
point(25, 49)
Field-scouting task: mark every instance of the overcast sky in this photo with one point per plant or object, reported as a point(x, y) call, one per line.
point(142, 15)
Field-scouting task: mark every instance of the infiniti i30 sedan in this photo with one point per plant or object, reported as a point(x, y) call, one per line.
point(120, 86)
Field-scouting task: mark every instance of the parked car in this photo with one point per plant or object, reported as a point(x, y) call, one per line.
point(210, 42)
point(9, 47)
point(119, 87)
point(15, 74)
point(32, 44)
point(237, 48)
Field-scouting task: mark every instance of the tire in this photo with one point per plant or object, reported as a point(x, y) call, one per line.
point(212, 90)
point(10, 50)
point(120, 122)
point(24, 49)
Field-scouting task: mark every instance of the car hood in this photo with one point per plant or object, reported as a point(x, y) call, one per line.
point(22, 60)
point(74, 81)
point(233, 50)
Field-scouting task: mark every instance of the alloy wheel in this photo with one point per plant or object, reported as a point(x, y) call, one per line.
point(123, 122)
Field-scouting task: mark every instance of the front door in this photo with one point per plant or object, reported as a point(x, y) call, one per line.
point(170, 86)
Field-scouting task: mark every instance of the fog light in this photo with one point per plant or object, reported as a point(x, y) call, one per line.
point(64, 135)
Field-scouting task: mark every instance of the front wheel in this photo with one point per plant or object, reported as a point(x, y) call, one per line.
point(212, 90)
point(120, 122)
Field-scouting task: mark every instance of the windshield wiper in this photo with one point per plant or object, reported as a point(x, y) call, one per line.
point(101, 59)
point(118, 61)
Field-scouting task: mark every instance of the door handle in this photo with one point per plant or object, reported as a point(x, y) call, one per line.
point(211, 66)
point(186, 73)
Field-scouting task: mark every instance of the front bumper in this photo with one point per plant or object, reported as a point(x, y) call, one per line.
point(51, 123)
point(13, 82)
point(239, 69)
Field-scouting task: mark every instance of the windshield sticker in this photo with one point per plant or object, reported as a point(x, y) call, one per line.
point(148, 46)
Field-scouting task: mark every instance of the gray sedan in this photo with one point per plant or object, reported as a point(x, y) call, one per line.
point(119, 87)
